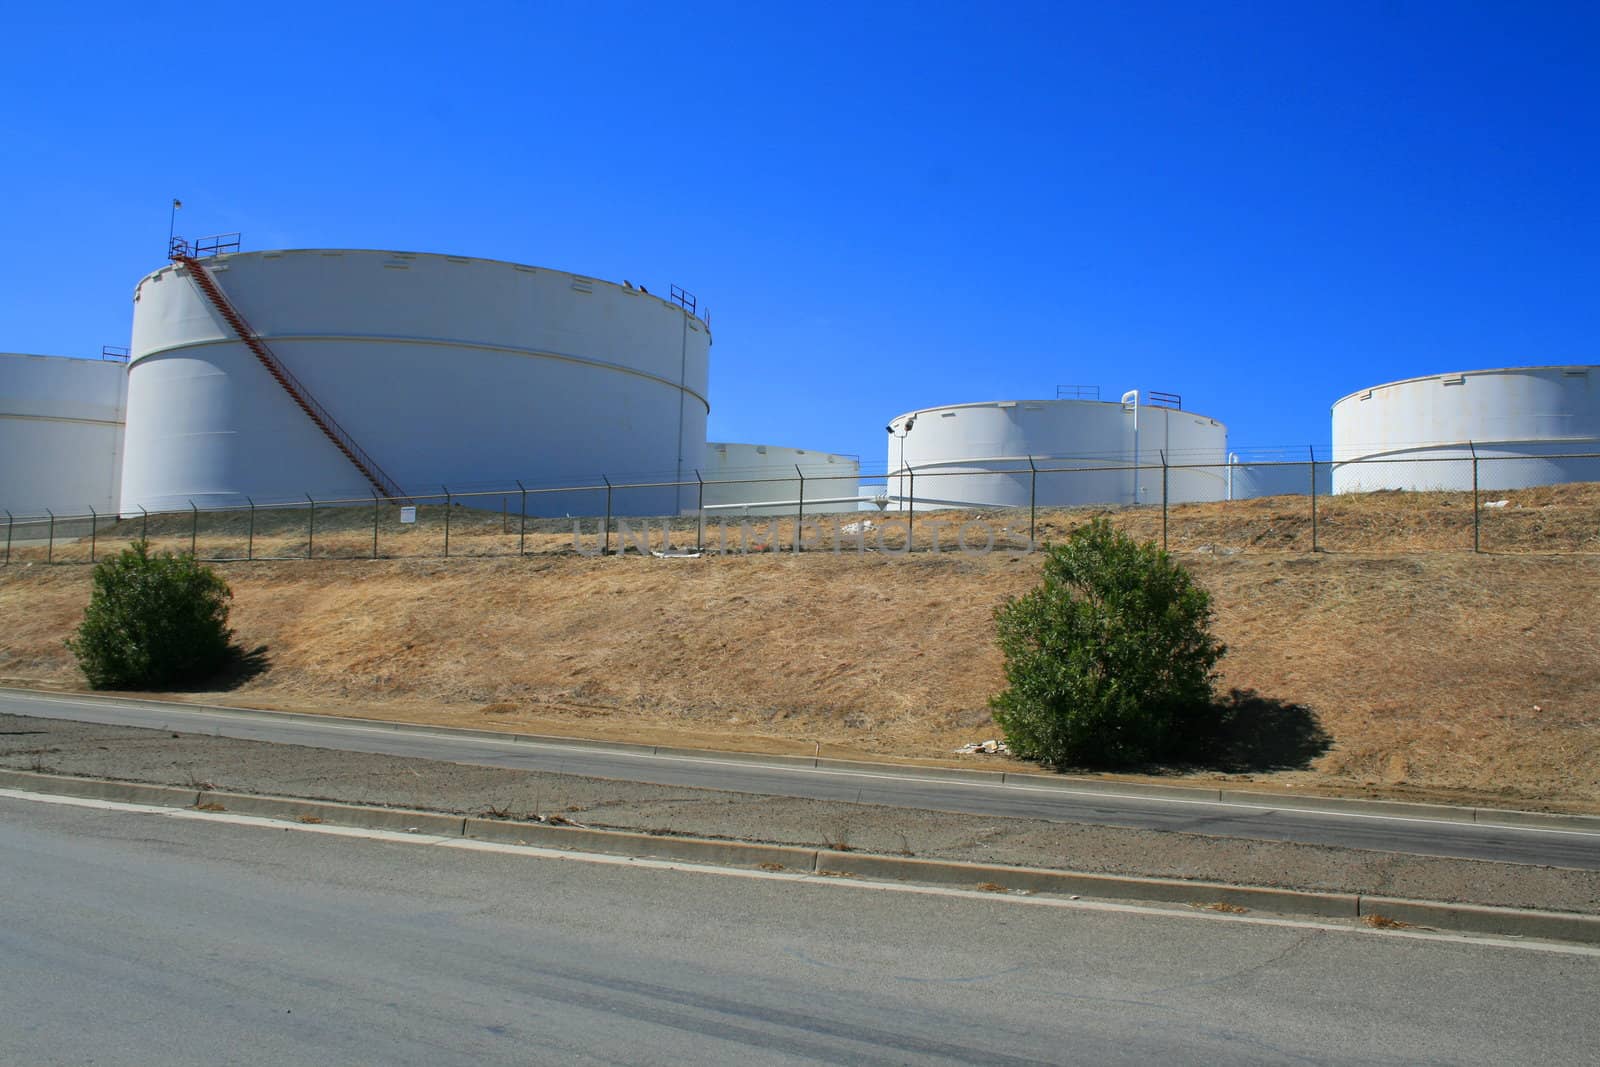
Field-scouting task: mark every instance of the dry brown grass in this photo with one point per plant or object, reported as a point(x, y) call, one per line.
point(1440, 675)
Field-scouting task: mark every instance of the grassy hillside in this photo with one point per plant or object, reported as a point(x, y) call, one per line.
point(1440, 674)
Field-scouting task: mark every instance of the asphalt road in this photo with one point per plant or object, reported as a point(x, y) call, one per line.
point(181, 938)
point(1560, 848)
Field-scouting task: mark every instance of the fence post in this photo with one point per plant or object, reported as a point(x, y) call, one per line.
point(911, 512)
point(1475, 534)
point(1033, 499)
point(374, 524)
point(446, 489)
point(50, 551)
point(1312, 466)
point(522, 530)
point(10, 522)
point(311, 529)
point(194, 527)
point(800, 518)
point(699, 512)
point(250, 543)
point(144, 530)
point(94, 530)
point(1163, 453)
point(605, 548)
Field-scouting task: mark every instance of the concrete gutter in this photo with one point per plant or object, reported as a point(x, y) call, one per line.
point(1468, 918)
point(1032, 779)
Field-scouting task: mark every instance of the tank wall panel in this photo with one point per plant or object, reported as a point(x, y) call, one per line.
point(61, 434)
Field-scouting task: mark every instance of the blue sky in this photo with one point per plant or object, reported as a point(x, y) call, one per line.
point(1259, 206)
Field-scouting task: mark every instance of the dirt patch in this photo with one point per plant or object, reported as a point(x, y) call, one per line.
point(1434, 675)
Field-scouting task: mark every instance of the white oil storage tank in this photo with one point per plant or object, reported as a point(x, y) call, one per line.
point(60, 434)
point(744, 479)
point(1527, 426)
point(424, 373)
point(1085, 452)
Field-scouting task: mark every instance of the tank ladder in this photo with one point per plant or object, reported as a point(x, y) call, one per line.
point(307, 403)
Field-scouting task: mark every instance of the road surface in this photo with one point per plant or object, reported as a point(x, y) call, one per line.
point(183, 938)
point(1553, 847)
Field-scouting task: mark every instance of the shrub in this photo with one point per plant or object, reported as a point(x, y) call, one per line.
point(1111, 660)
point(153, 621)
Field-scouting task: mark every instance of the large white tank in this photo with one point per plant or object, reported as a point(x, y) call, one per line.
point(448, 371)
point(767, 480)
point(60, 434)
point(1519, 420)
point(976, 455)
point(1277, 472)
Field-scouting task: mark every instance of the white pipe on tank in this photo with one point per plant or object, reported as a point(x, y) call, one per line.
point(1233, 458)
point(1132, 397)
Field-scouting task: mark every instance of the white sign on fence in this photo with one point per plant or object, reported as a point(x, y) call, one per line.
point(408, 514)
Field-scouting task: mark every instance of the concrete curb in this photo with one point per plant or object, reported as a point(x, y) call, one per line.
point(1101, 886)
point(1267, 801)
point(1466, 918)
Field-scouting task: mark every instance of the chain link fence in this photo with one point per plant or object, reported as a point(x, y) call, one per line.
point(1458, 502)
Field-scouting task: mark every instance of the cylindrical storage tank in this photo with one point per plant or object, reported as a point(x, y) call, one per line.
point(1525, 424)
point(1086, 452)
point(449, 372)
point(1276, 473)
point(60, 434)
point(772, 480)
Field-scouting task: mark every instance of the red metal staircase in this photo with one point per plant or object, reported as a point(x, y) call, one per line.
point(307, 403)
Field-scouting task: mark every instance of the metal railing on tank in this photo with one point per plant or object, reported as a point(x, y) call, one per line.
point(114, 353)
point(217, 244)
point(677, 294)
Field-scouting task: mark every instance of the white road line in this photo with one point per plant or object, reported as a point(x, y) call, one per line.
point(810, 879)
point(423, 732)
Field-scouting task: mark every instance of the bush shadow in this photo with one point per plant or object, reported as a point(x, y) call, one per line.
point(239, 667)
point(1252, 733)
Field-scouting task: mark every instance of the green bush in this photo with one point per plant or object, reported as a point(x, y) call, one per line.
point(1111, 660)
point(153, 621)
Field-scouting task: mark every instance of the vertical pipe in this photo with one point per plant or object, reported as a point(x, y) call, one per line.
point(1163, 500)
point(194, 528)
point(522, 530)
point(1132, 396)
point(374, 524)
point(1312, 450)
point(1476, 544)
point(250, 545)
point(94, 531)
point(50, 552)
point(1233, 461)
point(311, 529)
point(446, 489)
point(605, 547)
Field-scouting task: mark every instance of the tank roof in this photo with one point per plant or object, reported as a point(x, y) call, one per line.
point(260, 252)
point(1041, 403)
point(1467, 374)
